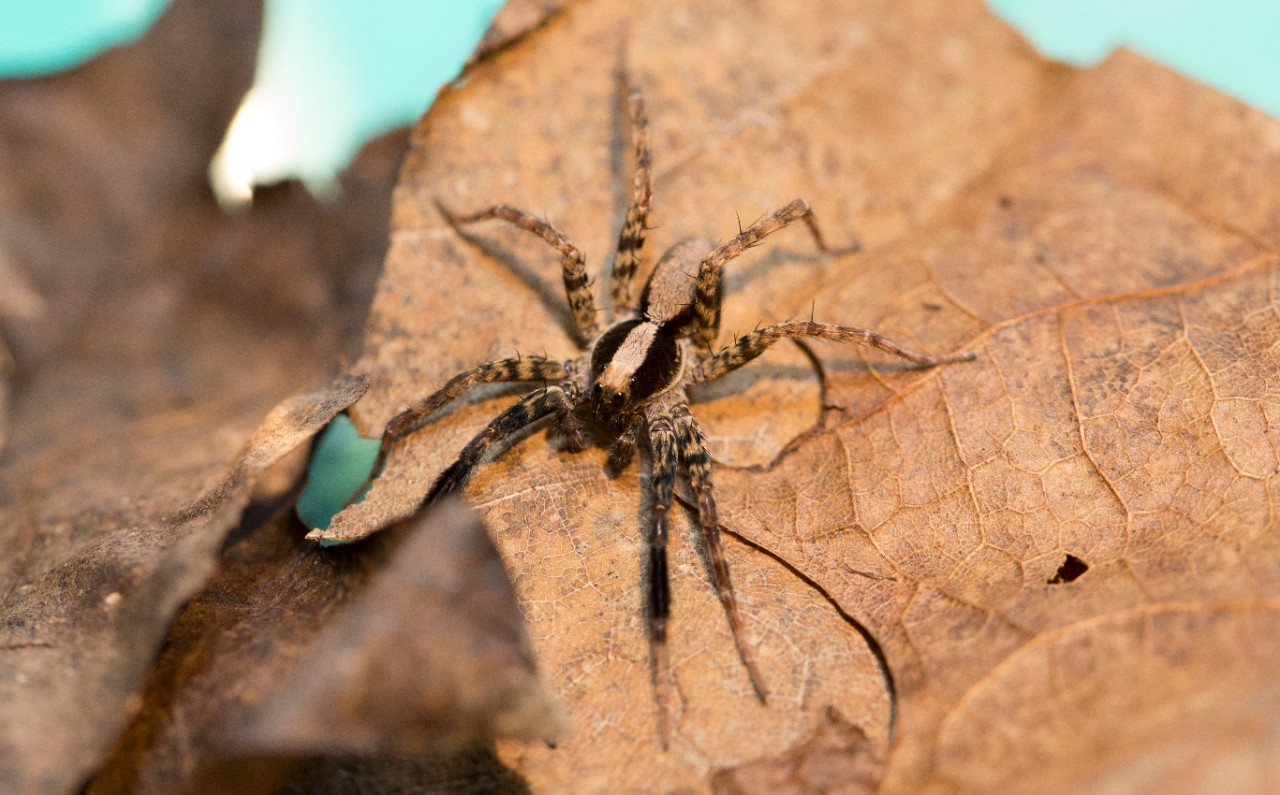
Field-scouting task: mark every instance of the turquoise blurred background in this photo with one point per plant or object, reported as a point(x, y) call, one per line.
point(1233, 45)
point(333, 73)
point(38, 37)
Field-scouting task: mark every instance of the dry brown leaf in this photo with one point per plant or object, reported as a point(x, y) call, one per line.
point(1065, 551)
point(431, 658)
point(296, 658)
point(18, 301)
point(91, 590)
point(513, 21)
point(1062, 553)
point(168, 331)
point(105, 206)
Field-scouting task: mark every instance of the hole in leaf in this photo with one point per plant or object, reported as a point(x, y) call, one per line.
point(1070, 569)
point(340, 463)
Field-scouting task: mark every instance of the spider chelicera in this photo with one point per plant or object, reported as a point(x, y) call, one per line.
point(630, 384)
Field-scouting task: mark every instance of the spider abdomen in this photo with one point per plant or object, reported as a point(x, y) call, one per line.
point(668, 295)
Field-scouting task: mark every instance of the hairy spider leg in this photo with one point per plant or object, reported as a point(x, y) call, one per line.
point(627, 260)
point(707, 292)
point(665, 465)
point(623, 449)
point(522, 368)
point(577, 286)
point(531, 408)
point(748, 347)
point(691, 443)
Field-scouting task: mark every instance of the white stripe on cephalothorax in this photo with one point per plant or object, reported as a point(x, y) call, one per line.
point(616, 376)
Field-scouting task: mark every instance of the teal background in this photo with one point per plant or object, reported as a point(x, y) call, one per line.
point(345, 70)
point(340, 462)
point(337, 72)
point(39, 36)
point(1233, 45)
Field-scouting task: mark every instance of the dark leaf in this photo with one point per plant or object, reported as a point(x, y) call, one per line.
point(168, 330)
point(430, 658)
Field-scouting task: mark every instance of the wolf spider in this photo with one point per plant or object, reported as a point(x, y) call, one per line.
point(630, 383)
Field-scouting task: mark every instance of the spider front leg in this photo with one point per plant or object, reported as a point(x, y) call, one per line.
point(530, 409)
point(691, 444)
point(523, 368)
point(748, 347)
point(627, 260)
point(662, 443)
point(577, 286)
point(707, 292)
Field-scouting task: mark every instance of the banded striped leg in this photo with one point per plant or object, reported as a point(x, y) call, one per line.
point(577, 286)
point(627, 260)
point(662, 441)
point(691, 443)
point(524, 368)
point(706, 299)
point(746, 348)
point(531, 408)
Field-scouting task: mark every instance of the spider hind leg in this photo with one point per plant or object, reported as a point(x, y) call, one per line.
point(412, 419)
point(691, 444)
point(665, 464)
point(675, 439)
point(748, 347)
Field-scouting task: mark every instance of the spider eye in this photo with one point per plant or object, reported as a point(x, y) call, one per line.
point(597, 392)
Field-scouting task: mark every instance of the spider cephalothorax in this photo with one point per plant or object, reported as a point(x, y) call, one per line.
point(630, 383)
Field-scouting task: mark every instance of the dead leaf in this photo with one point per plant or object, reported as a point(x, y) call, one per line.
point(513, 21)
point(18, 300)
point(106, 209)
point(431, 658)
point(90, 595)
point(306, 667)
point(1105, 238)
point(837, 758)
point(167, 332)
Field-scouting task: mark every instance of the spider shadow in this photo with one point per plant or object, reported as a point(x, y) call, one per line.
point(620, 176)
point(743, 379)
point(881, 364)
point(737, 279)
point(554, 301)
point(863, 630)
